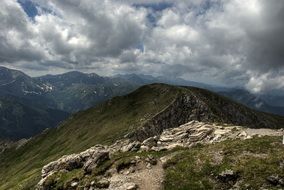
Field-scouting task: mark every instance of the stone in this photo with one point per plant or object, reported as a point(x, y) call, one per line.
point(68, 162)
point(131, 186)
point(158, 149)
point(148, 166)
point(95, 161)
point(166, 139)
point(144, 148)
point(150, 142)
point(228, 175)
point(102, 183)
point(150, 159)
point(74, 184)
point(275, 180)
point(92, 183)
point(173, 146)
point(134, 146)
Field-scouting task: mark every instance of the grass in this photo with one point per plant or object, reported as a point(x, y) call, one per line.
point(104, 124)
point(253, 160)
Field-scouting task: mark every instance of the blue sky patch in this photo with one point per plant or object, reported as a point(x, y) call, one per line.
point(29, 7)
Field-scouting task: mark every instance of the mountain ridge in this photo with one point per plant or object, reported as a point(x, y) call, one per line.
point(122, 116)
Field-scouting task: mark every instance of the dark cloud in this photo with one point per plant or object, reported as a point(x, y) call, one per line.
point(235, 43)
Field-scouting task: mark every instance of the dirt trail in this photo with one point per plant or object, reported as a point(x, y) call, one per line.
point(145, 178)
point(263, 132)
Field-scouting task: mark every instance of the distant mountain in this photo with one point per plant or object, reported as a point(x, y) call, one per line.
point(141, 114)
point(254, 101)
point(75, 91)
point(26, 89)
point(22, 121)
point(69, 92)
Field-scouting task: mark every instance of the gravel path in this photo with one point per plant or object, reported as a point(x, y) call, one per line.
point(145, 178)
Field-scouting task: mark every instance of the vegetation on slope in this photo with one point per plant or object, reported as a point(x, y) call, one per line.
point(104, 124)
point(253, 161)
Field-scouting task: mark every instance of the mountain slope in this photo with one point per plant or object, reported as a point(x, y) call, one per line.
point(146, 111)
point(21, 121)
point(75, 91)
point(18, 84)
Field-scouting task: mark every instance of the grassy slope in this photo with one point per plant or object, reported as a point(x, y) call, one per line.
point(103, 124)
point(254, 160)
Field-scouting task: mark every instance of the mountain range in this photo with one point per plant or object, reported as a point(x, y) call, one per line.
point(144, 113)
point(30, 104)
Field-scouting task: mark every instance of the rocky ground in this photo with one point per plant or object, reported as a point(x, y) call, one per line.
point(131, 165)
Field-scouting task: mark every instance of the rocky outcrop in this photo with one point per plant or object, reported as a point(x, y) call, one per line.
point(191, 133)
point(114, 175)
point(185, 108)
point(190, 107)
point(88, 160)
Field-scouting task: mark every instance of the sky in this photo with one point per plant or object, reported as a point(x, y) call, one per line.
point(223, 42)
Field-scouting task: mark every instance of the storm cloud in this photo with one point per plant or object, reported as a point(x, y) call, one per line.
point(225, 42)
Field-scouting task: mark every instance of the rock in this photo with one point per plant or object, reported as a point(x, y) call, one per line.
point(275, 180)
point(96, 154)
point(166, 139)
point(68, 162)
point(150, 159)
point(148, 166)
point(150, 142)
point(131, 186)
point(96, 160)
point(134, 146)
point(243, 134)
point(281, 164)
point(144, 148)
point(93, 183)
point(74, 184)
point(174, 145)
point(102, 183)
point(44, 182)
point(158, 149)
point(228, 175)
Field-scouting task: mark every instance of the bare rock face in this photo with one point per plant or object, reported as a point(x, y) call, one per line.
point(68, 163)
point(195, 132)
point(88, 160)
point(133, 146)
point(96, 159)
point(189, 107)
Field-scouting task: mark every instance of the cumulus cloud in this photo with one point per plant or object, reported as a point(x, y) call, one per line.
point(227, 42)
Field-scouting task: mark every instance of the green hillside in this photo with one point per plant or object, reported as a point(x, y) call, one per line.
point(252, 161)
point(20, 169)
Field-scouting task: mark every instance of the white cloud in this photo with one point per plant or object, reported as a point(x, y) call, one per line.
point(235, 42)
